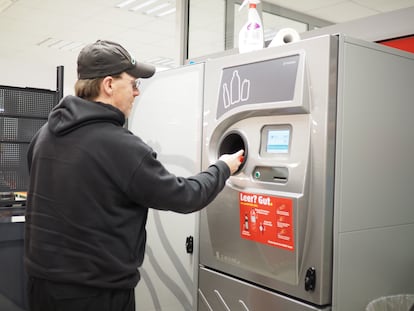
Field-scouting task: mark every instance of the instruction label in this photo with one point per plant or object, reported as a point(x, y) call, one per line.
point(267, 81)
point(267, 219)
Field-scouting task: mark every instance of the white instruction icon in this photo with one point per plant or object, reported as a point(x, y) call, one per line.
point(238, 91)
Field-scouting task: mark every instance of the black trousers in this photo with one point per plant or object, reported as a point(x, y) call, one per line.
point(45, 295)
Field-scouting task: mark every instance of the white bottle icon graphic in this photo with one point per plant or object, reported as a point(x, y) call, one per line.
point(245, 90)
point(235, 88)
point(226, 96)
point(237, 92)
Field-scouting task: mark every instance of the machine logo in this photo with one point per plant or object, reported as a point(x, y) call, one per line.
point(227, 259)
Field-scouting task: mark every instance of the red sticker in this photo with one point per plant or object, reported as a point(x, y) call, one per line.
point(267, 219)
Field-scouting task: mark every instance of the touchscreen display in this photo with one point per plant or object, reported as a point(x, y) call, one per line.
point(278, 141)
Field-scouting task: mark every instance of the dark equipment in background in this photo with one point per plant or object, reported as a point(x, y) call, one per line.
point(23, 111)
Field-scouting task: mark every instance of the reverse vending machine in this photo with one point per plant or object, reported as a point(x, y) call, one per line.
point(320, 215)
point(310, 220)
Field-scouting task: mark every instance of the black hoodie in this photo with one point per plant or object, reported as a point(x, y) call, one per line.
point(91, 184)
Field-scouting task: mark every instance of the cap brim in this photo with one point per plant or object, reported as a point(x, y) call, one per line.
point(141, 70)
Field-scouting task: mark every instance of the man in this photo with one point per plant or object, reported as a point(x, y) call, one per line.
point(91, 184)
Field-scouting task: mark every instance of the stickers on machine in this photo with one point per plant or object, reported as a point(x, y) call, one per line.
point(267, 219)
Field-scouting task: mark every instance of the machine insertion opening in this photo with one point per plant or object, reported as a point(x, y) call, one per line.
point(232, 143)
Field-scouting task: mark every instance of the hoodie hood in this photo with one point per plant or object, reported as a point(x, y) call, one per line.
point(73, 112)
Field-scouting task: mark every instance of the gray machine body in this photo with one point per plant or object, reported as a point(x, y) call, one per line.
point(321, 207)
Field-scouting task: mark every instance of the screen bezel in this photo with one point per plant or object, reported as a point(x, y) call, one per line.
point(264, 140)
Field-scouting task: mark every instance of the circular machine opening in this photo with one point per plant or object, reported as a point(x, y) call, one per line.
point(232, 143)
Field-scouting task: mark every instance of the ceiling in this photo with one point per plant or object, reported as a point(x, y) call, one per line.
point(51, 32)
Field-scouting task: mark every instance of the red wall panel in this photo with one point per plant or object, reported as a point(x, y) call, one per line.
point(404, 43)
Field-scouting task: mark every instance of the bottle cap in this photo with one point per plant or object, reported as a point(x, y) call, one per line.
point(250, 2)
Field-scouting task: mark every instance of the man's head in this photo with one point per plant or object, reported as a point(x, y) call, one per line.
point(107, 58)
point(107, 73)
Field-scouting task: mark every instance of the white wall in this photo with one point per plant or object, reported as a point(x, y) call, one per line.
point(29, 73)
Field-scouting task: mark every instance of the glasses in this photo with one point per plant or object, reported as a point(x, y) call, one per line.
point(135, 84)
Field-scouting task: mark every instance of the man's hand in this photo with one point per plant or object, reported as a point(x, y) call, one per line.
point(233, 161)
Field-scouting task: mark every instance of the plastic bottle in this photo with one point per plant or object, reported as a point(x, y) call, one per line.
point(251, 34)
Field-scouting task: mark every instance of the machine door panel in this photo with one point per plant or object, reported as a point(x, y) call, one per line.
point(221, 292)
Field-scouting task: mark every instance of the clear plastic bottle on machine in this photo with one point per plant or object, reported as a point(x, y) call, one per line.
point(251, 34)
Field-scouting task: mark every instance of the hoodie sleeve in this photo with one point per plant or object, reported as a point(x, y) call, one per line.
point(153, 186)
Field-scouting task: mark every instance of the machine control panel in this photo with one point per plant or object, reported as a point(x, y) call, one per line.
point(271, 174)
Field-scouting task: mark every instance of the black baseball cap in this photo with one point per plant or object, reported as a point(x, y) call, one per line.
point(105, 58)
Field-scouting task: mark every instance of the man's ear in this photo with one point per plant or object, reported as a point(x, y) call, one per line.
point(106, 86)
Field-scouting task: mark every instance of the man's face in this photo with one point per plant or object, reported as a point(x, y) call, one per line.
point(124, 92)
